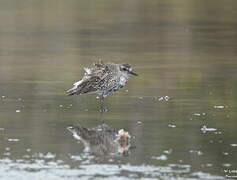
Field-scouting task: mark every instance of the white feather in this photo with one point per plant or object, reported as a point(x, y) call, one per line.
point(75, 135)
point(77, 83)
point(122, 80)
point(87, 70)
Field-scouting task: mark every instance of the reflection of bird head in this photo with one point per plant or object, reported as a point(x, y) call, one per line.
point(123, 138)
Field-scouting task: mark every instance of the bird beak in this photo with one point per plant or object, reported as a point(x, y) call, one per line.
point(133, 73)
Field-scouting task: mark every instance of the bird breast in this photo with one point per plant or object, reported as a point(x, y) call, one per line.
point(123, 80)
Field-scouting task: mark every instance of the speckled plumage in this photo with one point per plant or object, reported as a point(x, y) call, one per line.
point(102, 78)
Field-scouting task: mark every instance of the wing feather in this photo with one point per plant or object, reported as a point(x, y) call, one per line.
point(92, 81)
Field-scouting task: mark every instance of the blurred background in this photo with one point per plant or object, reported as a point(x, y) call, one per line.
point(180, 110)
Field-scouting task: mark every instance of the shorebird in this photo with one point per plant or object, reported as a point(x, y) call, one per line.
point(103, 79)
point(102, 140)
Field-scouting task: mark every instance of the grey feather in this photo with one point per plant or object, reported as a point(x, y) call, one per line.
point(102, 78)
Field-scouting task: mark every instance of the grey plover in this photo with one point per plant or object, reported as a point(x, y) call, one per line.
point(103, 79)
point(102, 140)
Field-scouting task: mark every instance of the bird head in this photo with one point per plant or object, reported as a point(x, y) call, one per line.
point(126, 68)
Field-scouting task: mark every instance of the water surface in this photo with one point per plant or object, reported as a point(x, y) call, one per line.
point(180, 110)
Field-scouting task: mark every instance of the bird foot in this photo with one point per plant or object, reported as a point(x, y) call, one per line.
point(103, 109)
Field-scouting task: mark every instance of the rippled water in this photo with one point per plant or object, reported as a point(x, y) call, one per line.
point(56, 169)
point(180, 110)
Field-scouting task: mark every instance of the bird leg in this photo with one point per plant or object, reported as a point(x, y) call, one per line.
point(102, 106)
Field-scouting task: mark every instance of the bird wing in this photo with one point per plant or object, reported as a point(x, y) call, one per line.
point(94, 78)
point(91, 81)
point(89, 84)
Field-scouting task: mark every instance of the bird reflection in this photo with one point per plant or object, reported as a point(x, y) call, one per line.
point(102, 140)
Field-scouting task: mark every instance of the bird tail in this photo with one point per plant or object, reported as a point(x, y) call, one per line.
point(72, 91)
point(75, 89)
point(79, 132)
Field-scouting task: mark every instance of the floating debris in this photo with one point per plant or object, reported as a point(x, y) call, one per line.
point(161, 158)
point(97, 97)
point(2, 129)
point(226, 165)
point(172, 125)
point(197, 114)
point(167, 98)
point(77, 158)
point(7, 154)
point(163, 98)
point(28, 150)
point(26, 156)
point(140, 97)
point(233, 145)
point(139, 122)
point(45, 156)
point(126, 90)
point(205, 129)
point(18, 110)
point(60, 105)
point(198, 152)
point(13, 140)
point(49, 155)
point(225, 153)
point(169, 151)
point(219, 107)
point(111, 160)
point(3, 97)
point(7, 149)
point(209, 165)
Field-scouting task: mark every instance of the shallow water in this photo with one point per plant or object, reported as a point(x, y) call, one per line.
point(180, 110)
